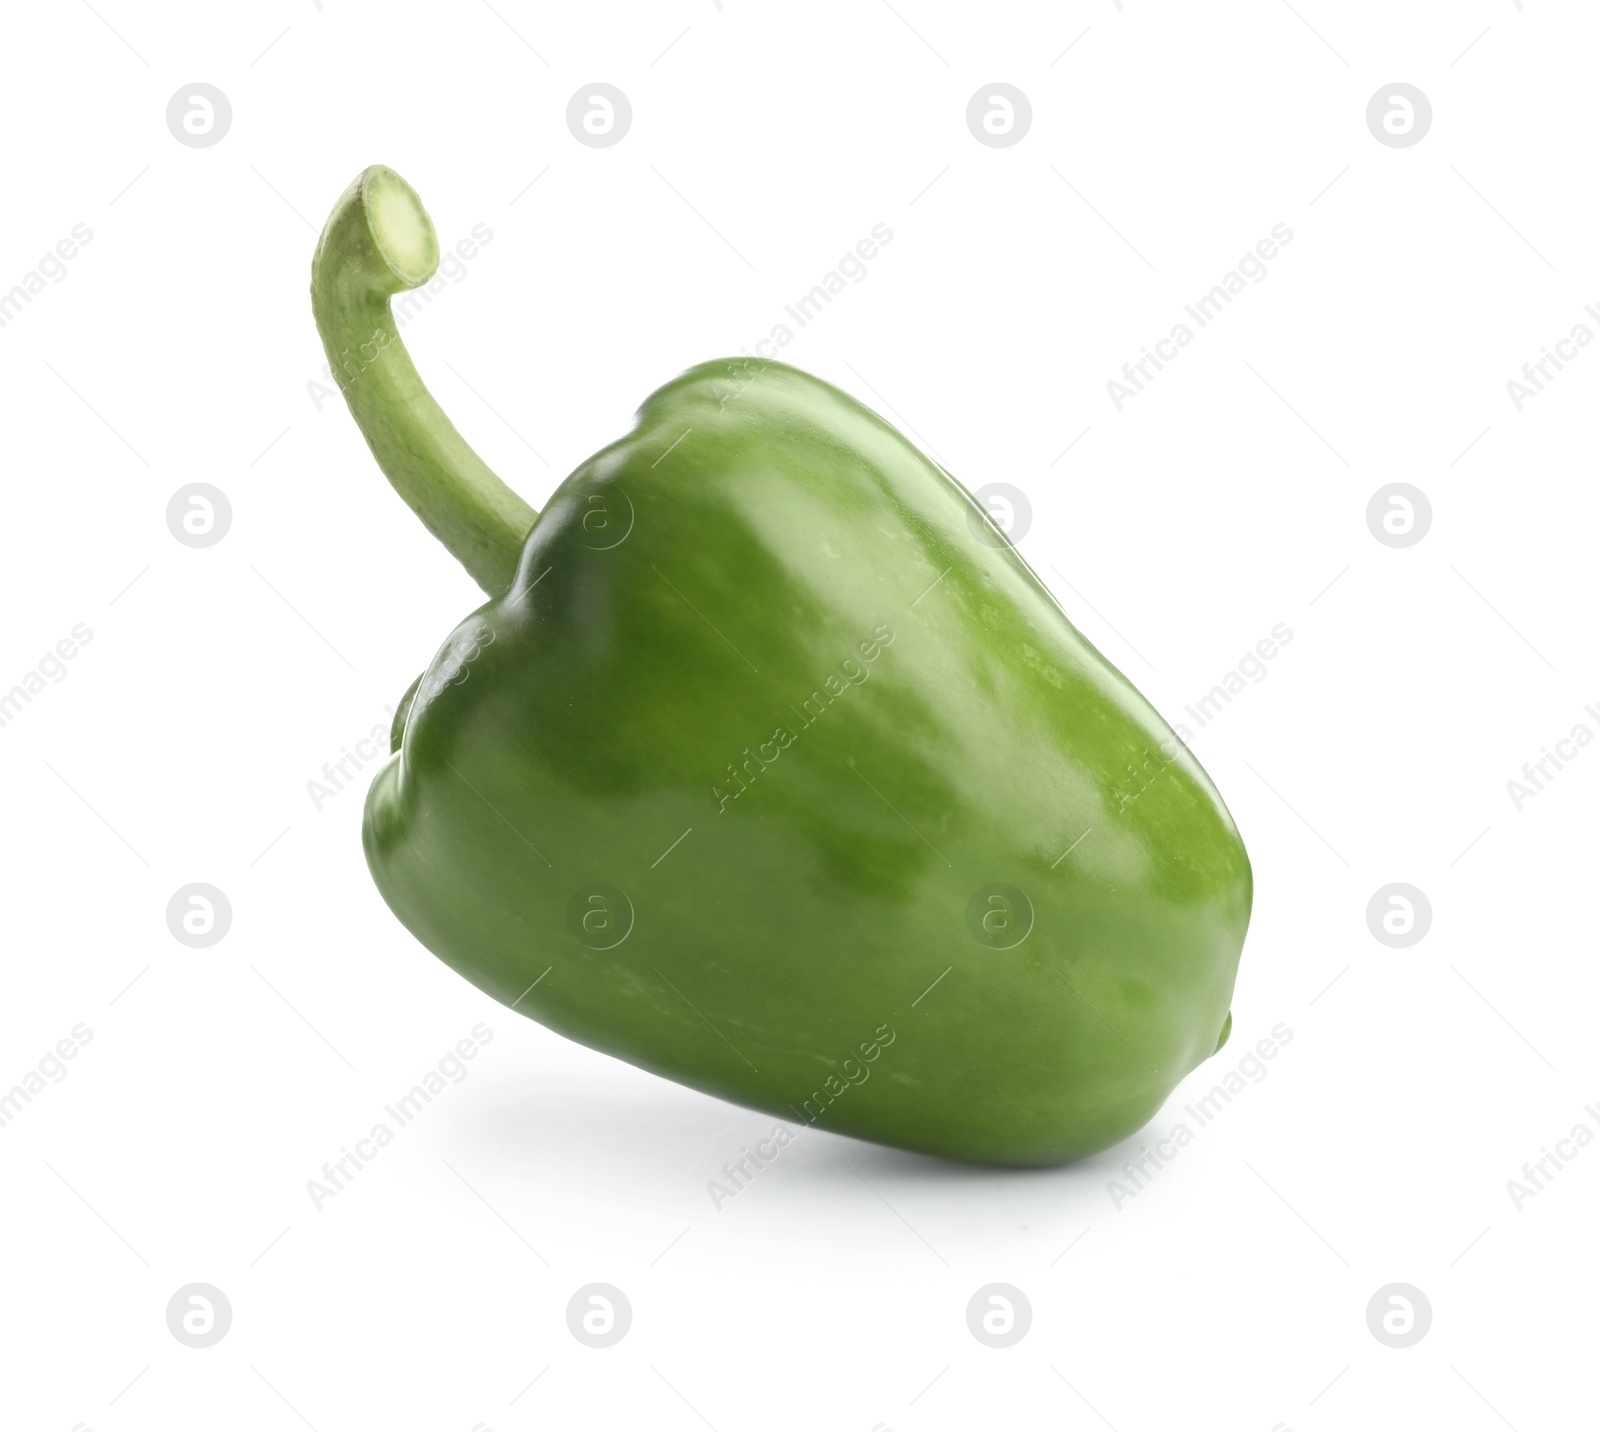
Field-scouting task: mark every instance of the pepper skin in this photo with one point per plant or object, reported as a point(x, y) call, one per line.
point(722, 778)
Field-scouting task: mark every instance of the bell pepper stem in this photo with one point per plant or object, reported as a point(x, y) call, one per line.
point(378, 242)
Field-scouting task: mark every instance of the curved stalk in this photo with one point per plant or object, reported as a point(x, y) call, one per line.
point(378, 242)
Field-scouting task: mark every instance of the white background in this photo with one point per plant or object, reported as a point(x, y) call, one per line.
point(1228, 497)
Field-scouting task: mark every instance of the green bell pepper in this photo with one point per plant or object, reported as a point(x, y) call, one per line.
point(769, 765)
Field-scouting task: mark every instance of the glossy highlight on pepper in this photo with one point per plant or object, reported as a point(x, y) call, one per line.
point(768, 750)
